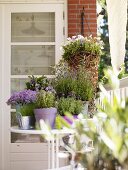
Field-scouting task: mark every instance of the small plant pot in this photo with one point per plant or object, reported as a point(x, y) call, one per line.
point(47, 114)
point(25, 122)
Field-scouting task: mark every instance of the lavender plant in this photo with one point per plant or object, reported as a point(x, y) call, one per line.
point(22, 97)
point(23, 101)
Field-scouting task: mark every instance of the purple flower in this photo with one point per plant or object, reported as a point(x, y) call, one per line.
point(22, 97)
point(50, 89)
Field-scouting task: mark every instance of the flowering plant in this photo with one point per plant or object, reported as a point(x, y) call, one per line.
point(79, 45)
point(22, 97)
point(37, 83)
point(24, 101)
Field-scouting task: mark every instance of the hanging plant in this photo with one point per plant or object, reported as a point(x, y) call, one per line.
point(79, 49)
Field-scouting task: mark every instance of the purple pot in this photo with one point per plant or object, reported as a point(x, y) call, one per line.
point(47, 114)
point(69, 120)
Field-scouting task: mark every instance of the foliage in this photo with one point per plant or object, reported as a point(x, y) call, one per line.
point(64, 86)
point(70, 105)
point(22, 98)
point(26, 109)
point(105, 60)
point(45, 99)
point(79, 45)
point(37, 83)
point(84, 88)
point(109, 131)
point(61, 69)
point(75, 84)
point(61, 122)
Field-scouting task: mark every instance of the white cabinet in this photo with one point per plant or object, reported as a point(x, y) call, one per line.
point(31, 36)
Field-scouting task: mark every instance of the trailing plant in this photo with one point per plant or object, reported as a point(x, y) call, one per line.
point(70, 105)
point(45, 99)
point(79, 45)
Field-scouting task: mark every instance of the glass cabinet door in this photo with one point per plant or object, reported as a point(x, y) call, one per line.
point(33, 48)
point(28, 57)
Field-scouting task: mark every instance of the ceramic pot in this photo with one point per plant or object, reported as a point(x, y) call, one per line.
point(47, 114)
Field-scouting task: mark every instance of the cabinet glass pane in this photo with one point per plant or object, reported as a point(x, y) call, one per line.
point(18, 84)
point(32, 59)
point(33, 27)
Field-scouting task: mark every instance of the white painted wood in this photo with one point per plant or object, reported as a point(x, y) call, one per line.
point(6, 89)
point(59, 32)
point(124, 82)
point(11, 161)
point(36, 165)
point(32, 43)
point(31, 1)
point(29, 165)
point(28, 147)
point(126, 92)
point(29, 157)
point(1, 80)
point(121, 94)
point(26, 76)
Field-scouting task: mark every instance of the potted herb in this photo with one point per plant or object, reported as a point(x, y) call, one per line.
point(76, 84)
point(69, 105)
point(45, 107)
point(24, 101)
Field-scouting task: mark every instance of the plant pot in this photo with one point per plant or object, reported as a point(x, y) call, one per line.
point(85, 107)
point(47, 114)
point(25, 122)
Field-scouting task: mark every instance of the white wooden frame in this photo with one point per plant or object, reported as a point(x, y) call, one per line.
point(5, 60)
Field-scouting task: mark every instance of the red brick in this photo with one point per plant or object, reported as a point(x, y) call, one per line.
point(72, 25)
point(93, 6)
point(72, 11)
point(71, 16)
point(73, 1)
point(75, 8)
point(74, 20)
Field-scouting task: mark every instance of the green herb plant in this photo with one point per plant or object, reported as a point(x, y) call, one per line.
point(75, 84)
point(27, 109)
point(70, 105)
point(45, 99)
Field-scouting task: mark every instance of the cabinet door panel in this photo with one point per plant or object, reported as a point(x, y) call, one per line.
point(32, 59)
point(33, 27)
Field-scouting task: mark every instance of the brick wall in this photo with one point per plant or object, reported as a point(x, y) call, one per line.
point(75, 8)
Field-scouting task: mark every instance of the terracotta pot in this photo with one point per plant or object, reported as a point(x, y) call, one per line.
point(47, 114)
